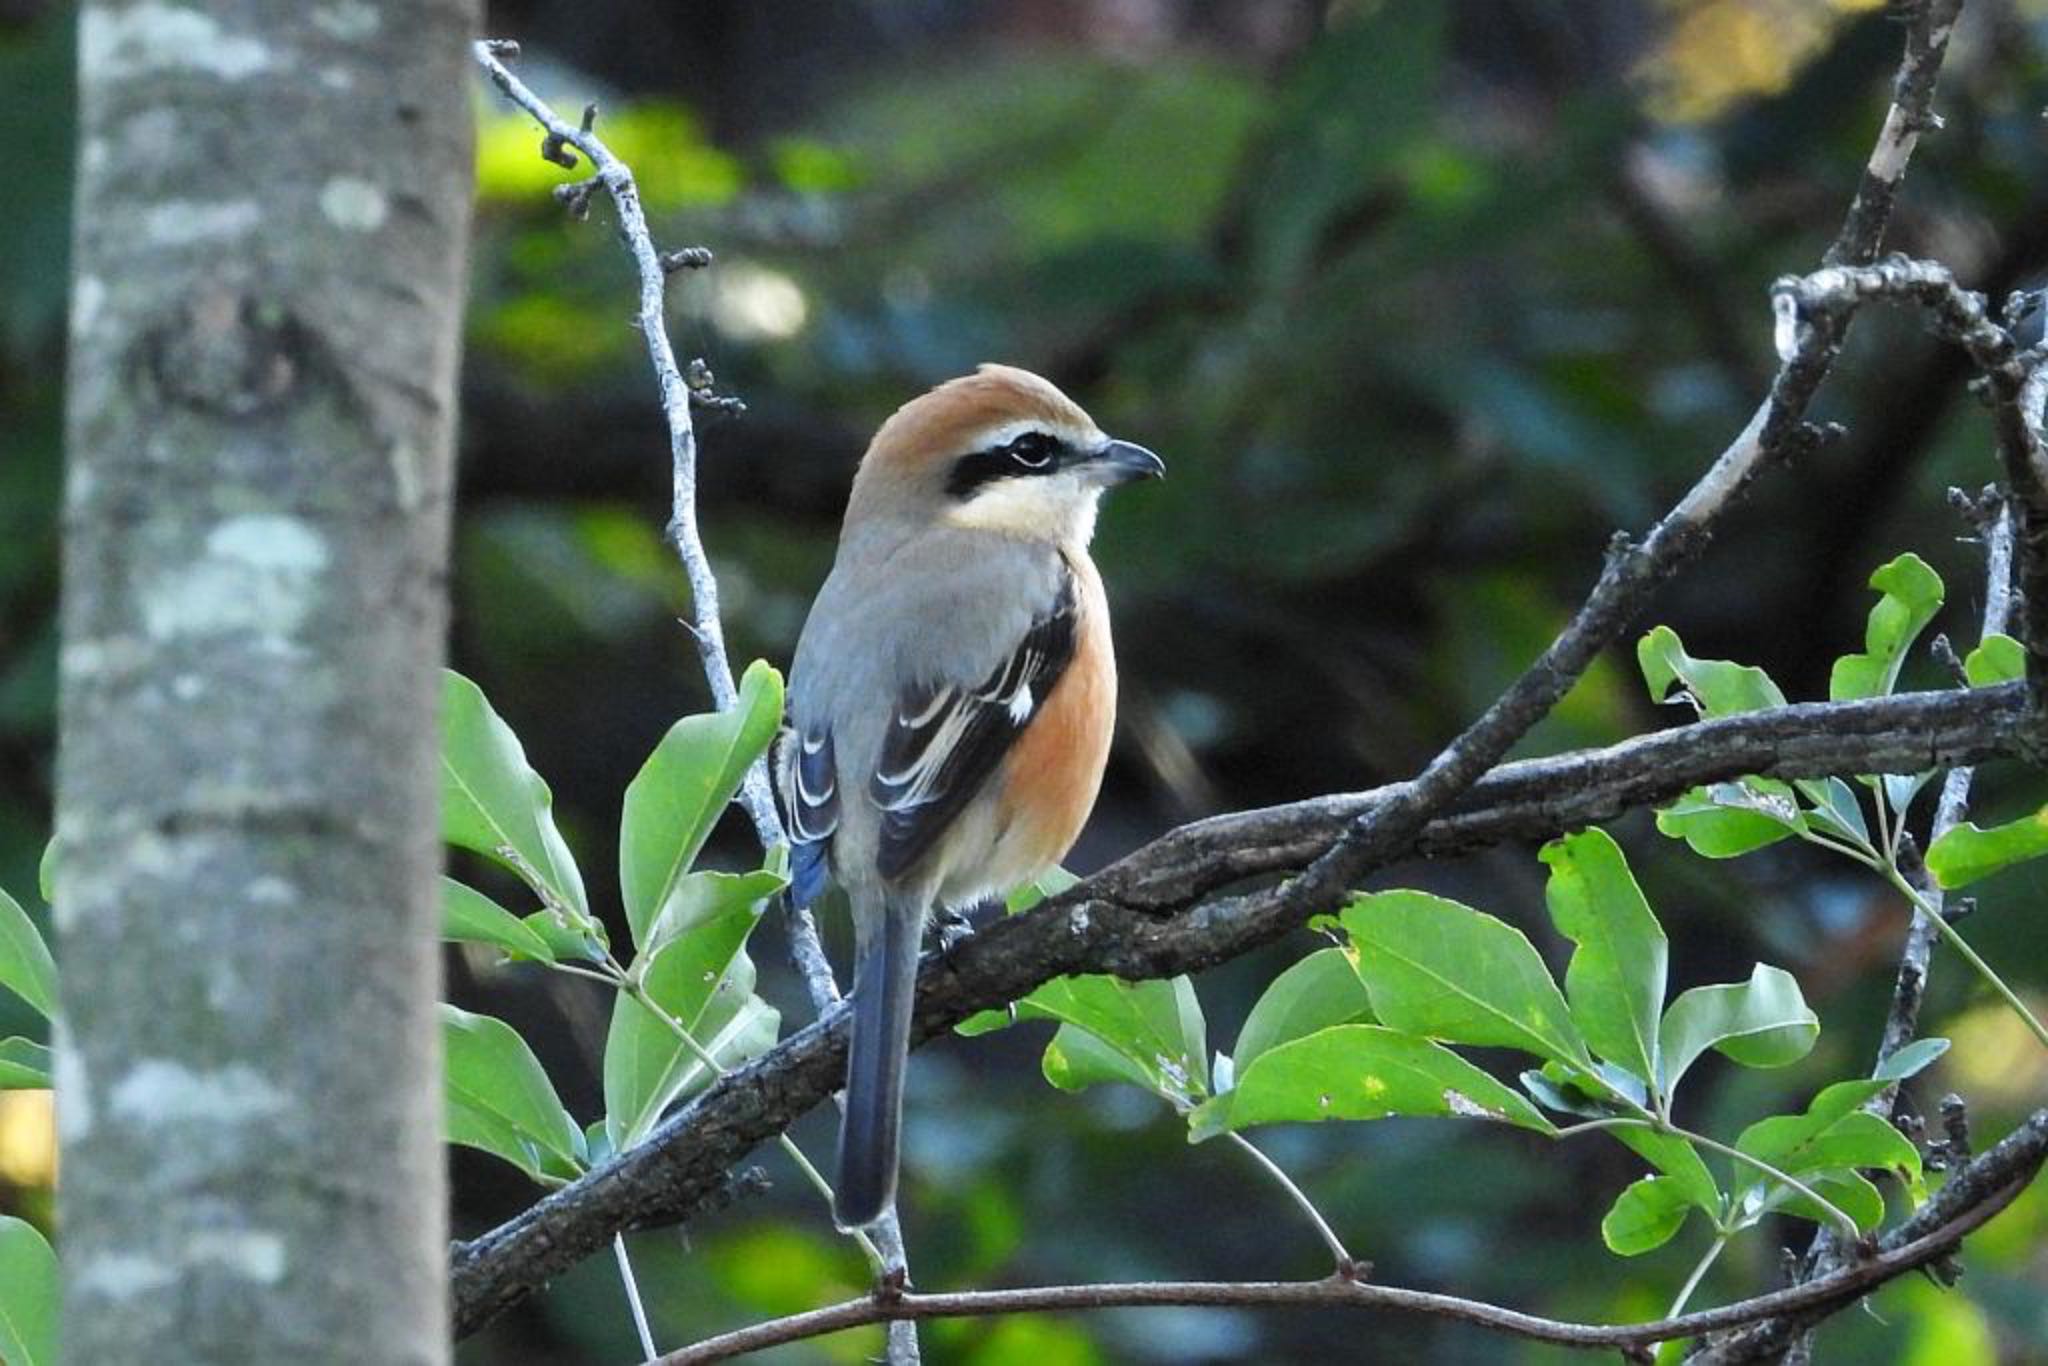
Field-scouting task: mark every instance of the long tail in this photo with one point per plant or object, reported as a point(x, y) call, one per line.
point(884, 986)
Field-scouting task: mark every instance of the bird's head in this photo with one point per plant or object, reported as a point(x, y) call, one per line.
point(999, 450)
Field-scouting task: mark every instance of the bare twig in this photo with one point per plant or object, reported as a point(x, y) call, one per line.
point(707, 627)
point(1980, 1191)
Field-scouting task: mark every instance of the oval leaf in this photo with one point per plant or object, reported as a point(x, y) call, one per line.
point(1371, 1072)
point(1155, 1028)
point(1436, 968)
point(499, 1098)
point(1645, 1216)
point(470, 917)
point(1728, 820)
point(1911, 1060)
point(703, 984)
point(1968, 853)
point(26, 967)
point(1678, 1159)
point(1615, 982)
point(1715, 687)
point(1321, 990)
point(700, 898)
point(1764, 1022)
point(492, 800)
point(28, 1296)
point(1997, 659)
point(684, 787)
point(1911, 595)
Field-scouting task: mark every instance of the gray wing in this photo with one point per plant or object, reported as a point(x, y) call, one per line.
point(945, 740)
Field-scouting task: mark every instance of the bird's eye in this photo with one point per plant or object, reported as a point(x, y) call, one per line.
point(1034, 450)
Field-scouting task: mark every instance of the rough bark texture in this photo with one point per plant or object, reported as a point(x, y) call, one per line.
point(273, 205)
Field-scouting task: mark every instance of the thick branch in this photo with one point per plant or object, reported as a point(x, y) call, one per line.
point(1124, 921)
point(1972, 1197)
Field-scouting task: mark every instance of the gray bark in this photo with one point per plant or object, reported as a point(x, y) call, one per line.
point(273, 205)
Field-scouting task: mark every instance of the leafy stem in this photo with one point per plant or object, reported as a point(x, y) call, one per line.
point(615, 975)
point(1835, 1215)
point(1886, 866)
point(1300, 1198)
point(1955, 940)
point(1699, 1272)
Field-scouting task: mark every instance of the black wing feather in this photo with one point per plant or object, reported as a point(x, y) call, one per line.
point(811, 794)
point(945, 741)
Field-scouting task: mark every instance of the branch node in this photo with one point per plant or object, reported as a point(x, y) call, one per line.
point(1352, 1271)
point(503, 48)
point(1945, 655)
point(1959, 910)
point(590, 116)
point(576, 198)
point(890, 1285)
point(555, 148)
point(685, 258)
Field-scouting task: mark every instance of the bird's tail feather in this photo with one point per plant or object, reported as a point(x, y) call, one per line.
point(884, 987)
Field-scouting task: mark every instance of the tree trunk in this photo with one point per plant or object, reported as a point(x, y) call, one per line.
point(273, 206)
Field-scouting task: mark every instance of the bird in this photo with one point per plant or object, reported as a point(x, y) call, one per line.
point(951, 701)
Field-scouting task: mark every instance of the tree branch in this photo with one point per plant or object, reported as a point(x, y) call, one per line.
point(1972, 1197)
point(1123, 921)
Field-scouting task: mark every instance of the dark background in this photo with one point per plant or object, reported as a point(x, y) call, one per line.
point(1420, 301)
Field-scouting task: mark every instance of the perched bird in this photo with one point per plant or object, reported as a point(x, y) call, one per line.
point(952, 699)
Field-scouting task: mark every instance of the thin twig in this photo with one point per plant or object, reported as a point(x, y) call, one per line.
point(633, 1303)
point(1924, 894)
point(1338, 1251)
point(706, 627)
point(1990, 1183)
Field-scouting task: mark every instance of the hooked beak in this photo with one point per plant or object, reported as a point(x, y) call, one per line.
point(1120, 462)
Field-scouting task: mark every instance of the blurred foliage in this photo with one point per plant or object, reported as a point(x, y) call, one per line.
point(1420, 300)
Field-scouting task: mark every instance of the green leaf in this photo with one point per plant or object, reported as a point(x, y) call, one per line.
point(24, 1066)
point(1155, 1030)
point(1845, 1190)
point(702, 897)
point(1912, 594)
point(46, 873)
point(684, 787)
point(470, 917)
point(491, 800)
point(1832, 1135)
point(28, 1295)
point(1764, 1022)
point(1615, 982)
point(703, 982)
point(1566, 1096)
point(1321, 990)
point(1969, 853)
point(1645, 1216)
point(1676, 1158)
point(1727, 820)
point(499, 1098)
point(1363, 1072)
point(1049, 883)
point(1835, 808)
point(26, 967)
point(1715, 687)
point(1436, 968)
point(1997, 659)
point(1912, 1059)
